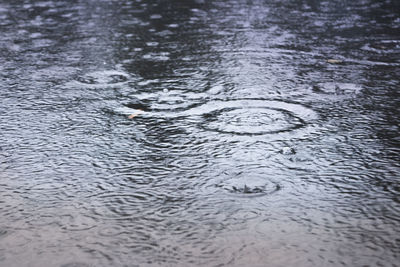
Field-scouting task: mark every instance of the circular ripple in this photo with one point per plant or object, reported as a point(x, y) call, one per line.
point(252, 117)
point(252, 120)
point(103, 78)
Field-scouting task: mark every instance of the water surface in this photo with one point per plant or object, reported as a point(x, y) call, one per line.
point(269, 137)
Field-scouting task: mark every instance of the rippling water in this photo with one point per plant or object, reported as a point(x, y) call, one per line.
point(264, 133)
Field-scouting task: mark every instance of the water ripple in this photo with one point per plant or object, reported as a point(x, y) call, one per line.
point(101, 79)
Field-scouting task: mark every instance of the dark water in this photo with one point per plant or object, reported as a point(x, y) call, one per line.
point(269, 137)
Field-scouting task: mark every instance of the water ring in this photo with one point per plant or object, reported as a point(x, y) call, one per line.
point(251, 117)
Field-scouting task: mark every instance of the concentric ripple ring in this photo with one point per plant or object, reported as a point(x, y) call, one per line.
point(103, 78)
point(252, 116)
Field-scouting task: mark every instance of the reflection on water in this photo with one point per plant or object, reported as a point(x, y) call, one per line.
point(268, 133)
